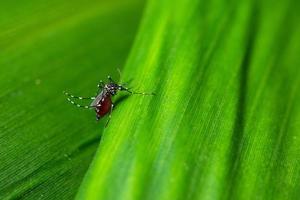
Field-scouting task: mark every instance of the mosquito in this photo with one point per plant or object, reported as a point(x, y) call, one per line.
point(102, 102)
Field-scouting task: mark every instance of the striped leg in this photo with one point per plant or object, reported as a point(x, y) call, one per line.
point(101, 84)
point(132, 92)
point(76, 97)
point(78, 105)
point(109, 116)
point(120, 74)
point(100, 87)
point(110, 79)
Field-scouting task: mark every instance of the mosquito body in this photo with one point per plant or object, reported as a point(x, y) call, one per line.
point(102, 103)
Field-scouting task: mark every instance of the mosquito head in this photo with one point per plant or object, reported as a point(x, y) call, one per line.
point(112, 88)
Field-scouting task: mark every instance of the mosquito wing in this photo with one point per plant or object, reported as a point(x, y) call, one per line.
point(98, 98)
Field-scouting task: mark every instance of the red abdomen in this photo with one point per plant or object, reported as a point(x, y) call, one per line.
point(103, 106)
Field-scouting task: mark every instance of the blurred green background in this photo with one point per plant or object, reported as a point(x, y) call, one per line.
point(224, 123)
point(47, 47)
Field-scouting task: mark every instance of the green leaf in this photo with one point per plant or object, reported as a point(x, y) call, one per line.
point(46, 47)
point(226, 118)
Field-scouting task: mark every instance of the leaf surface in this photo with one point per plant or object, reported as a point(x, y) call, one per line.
point(224, 123)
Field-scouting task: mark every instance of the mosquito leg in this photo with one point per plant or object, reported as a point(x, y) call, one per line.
point(77, 97)
point(120, 74)
point(78, 105)
point(132, 92)
point(110, 79)
point(101, 84)
point(97, 117)
point(109, 116)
